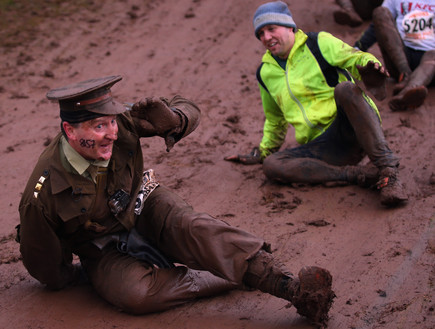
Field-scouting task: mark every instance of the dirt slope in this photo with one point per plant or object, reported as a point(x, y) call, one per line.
point(382, 260)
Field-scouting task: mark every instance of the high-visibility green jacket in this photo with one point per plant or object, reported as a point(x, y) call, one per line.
point(300, 95)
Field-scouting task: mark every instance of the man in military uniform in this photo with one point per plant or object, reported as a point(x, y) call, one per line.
point(89, 195)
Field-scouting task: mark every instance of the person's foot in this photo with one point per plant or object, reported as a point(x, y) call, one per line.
point(402, 82)
point(408, 98)
point(344, 17)
point(392, 191)
point(315, 296)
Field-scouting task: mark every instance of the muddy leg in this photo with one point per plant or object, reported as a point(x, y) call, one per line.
point(390, 43)
point(314, 171)
point(364, 8)
point(367, 127)
point(346, 15)
point(138, 288)
point(414, 92)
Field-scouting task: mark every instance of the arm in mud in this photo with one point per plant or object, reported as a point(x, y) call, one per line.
point(171, 119)
point(43, 254)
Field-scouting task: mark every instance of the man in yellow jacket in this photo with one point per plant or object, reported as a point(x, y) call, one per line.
point(306, 80)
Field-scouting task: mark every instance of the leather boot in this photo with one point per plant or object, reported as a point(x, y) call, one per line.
point(390, 43)
point(414, 90)
point(310, 292)
point(346, 15)
point(392, 191)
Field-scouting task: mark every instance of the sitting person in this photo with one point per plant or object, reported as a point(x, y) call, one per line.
point(89, 196)
point(304, 82)
point(405, 34)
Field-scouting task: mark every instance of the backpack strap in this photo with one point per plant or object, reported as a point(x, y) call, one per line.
point(260, 80)
point(329, 72)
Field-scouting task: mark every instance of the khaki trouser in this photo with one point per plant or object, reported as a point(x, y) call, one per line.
point(209, 248)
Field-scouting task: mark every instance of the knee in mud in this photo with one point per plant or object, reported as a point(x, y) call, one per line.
point(344, 90)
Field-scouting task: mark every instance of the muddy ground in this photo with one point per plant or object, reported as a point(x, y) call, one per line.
point(382, 260)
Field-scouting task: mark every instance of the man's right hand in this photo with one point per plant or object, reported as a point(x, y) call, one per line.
point(374, 77)
point(252, 158)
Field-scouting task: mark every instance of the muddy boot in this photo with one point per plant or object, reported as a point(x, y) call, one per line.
point(315, 296)
point(310, 292)
point(392, 191)
point(390, 43)
point(346, 15)
point(414, 91)
point(364, 176)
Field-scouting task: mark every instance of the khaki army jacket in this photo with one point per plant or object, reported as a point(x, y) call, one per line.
point(56, 206)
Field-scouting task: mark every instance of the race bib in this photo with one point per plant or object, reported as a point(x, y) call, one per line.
point(418, 25)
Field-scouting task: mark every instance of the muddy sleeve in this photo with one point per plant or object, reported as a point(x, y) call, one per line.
point(43, 254)
point(189, 113)
point(339, 54)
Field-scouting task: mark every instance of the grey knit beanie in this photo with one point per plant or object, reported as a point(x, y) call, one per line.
point(276, 13)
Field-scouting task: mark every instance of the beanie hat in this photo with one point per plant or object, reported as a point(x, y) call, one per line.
point(276, 13)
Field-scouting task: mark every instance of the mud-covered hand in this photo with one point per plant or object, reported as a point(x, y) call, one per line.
point(252, 158)
point(374, 77)
point(155, 117)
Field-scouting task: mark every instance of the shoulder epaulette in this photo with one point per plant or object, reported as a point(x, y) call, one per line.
point(40, 183)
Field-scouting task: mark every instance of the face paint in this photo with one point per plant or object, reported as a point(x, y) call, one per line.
point(87, 143)
point(94, 139)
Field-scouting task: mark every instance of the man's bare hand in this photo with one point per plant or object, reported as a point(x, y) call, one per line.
point(374, 77)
